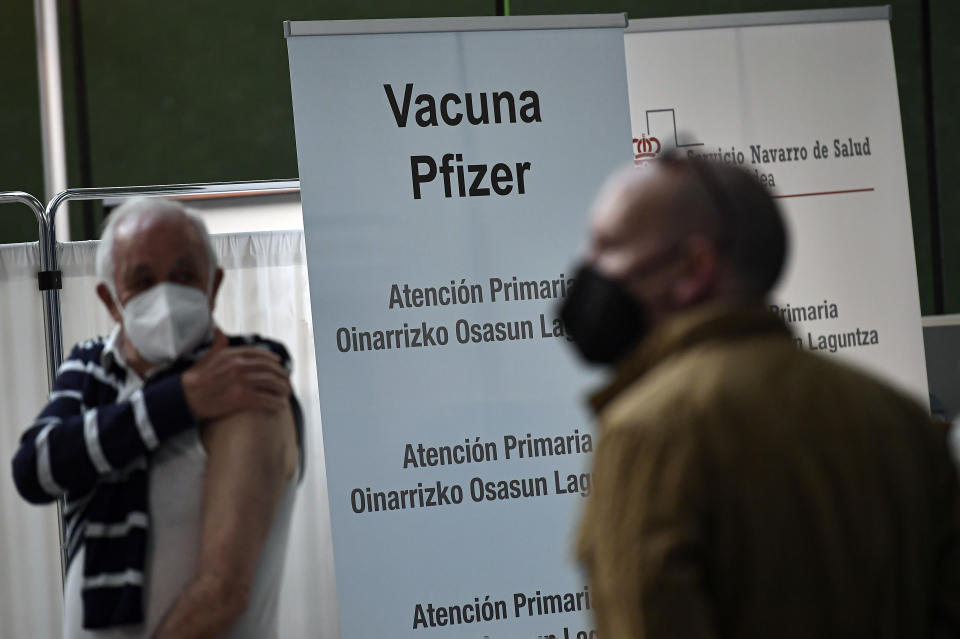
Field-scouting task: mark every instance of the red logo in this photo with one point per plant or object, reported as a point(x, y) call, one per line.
point(646, 149)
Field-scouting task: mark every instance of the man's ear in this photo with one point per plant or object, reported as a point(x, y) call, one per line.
point(217, 280)
point(104, 294)
point(701, 270)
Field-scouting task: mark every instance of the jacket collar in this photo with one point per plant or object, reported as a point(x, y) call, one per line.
point(684, 331)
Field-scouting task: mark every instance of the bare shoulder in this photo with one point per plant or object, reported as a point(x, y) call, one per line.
point(258, 440)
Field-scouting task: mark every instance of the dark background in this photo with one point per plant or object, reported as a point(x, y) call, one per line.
point(159, 93)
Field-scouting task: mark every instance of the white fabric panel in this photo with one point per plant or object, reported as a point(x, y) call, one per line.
point(31, 603)
point(82, 314)
point(265, 291)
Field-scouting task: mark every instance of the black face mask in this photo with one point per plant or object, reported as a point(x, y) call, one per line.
point(601, 317)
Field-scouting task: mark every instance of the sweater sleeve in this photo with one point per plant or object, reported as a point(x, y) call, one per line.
point(70, 445)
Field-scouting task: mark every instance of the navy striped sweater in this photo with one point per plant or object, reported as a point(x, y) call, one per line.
point(92, 449)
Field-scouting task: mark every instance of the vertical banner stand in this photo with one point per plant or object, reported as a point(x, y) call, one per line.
point(807, 102)
point(447, 169)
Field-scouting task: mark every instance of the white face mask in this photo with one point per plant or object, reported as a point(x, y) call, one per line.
point(166, 321)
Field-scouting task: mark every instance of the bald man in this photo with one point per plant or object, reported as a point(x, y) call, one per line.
point(744, 487)
point(175, 447)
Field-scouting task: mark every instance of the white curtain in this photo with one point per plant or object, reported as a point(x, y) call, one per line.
point(265, 291)
point(30, 599)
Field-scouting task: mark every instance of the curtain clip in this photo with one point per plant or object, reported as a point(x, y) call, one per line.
point(49, 280)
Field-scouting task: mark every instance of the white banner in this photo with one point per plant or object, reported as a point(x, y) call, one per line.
point(812, 110)
point(446, 173)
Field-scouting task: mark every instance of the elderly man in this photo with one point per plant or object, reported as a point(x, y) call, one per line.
point(175, 446)
point(743, 487)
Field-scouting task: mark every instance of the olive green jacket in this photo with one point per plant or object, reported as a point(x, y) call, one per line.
point(745, 488)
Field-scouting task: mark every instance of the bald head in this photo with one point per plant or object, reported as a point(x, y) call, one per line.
point(635, 210)
point(678, 207)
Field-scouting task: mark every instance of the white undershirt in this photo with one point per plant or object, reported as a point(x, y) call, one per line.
point(176, 494)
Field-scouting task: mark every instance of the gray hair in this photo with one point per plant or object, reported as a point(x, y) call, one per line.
point(141, 207)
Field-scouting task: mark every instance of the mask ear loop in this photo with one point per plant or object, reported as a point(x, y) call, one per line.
point(211, 276)
point(116, 302)
point(114, 298)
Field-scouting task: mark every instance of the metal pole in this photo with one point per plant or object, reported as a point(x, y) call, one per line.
point(933, 180)
point(51, 102)
point(33, 203)
point(207, 188)
point(82, 147)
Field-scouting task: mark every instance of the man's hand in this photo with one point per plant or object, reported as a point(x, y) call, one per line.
point(231, 379)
